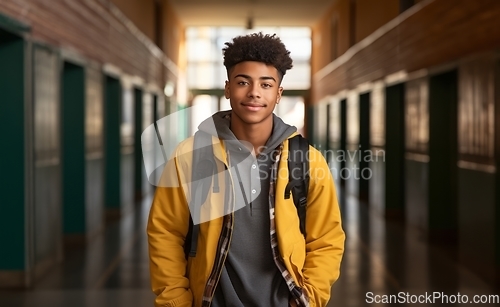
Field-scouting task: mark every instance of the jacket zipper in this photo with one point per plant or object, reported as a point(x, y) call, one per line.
point(223, 261)
point(228, 243)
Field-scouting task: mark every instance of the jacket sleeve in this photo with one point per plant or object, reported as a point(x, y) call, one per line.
point(167, 228)
point(325, 236)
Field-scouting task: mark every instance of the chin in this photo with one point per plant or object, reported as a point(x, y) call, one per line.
point(254, 119)
point(251, 118)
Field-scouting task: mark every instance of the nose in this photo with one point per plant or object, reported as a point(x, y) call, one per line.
point(254, 91)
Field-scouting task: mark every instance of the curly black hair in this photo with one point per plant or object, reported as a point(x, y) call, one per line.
point(258, 47)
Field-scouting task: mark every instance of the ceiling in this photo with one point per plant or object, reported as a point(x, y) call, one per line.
point(237, 12)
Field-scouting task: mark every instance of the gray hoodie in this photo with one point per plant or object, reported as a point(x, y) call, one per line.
point(250, 276)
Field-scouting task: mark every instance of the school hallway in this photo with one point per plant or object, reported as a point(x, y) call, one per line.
point(381, 257)
point(402, 97)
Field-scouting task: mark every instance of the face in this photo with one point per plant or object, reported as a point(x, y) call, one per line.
point(253, 91)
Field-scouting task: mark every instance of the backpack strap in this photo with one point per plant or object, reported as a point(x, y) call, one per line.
point(298, 176)
point(203, 170)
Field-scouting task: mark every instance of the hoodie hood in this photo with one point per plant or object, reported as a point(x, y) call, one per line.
point(219, 124)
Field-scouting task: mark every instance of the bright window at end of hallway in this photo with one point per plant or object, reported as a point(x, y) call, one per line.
point(206, 73)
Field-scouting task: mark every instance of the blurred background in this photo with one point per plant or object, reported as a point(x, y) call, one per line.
point(401, 96)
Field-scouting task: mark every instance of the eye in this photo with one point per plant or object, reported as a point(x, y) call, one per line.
point(267, 85)
point(242, 83)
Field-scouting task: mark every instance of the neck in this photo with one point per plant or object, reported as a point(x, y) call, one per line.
point(255, 134)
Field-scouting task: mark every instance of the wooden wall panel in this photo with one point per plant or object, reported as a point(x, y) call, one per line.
point(353, 120)
point(371, 15)
point(476, 109)
point(334, 124)
point(172, 33)
point(377, 115)
point(46, 103)
point(96, 29)
point(94, 113)
point(321, 35)
point(47, 202)
point(417, 116)
point(439, 32)
point(141, 13)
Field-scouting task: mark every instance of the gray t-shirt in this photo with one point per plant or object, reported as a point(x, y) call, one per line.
point(250, 276)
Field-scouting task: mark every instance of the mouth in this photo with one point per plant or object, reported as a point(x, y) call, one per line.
point(253, 106)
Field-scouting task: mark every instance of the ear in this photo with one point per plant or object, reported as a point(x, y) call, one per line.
point(278, 96)
point(226, 90)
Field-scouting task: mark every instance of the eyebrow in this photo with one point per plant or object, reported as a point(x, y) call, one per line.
point(261, 78)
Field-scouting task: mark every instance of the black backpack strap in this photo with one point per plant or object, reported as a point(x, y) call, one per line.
point(298, 176)
point(203, 170)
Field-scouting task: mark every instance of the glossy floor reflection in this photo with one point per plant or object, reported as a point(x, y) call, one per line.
point(113, 270)
point(387, 258)
point(381, 257)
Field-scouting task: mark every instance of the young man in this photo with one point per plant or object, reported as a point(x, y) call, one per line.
point(253, 253)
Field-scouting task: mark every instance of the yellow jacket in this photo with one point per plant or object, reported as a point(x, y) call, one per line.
point(314, 261)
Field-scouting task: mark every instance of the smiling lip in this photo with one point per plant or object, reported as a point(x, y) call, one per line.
point(252, 107)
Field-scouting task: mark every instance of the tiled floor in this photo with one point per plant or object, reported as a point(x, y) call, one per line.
point(381, 258)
